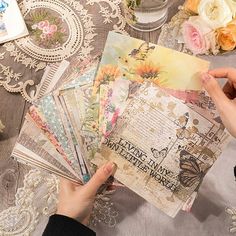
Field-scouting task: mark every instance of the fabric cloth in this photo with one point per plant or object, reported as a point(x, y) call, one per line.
point(60, 225)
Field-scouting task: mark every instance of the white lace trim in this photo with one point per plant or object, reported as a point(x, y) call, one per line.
point(75, 40)
point(37, 199)
point(24, 216)
point(80, 41)
point(232, 212)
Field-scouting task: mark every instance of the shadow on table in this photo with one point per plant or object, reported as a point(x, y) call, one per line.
point(6, 136)
point(208, 207)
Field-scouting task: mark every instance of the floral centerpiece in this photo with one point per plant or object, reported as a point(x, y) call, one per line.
point(202, 27)
point(211, 26)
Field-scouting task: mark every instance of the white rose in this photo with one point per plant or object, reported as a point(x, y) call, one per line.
point(216, 13)
point(232, 5)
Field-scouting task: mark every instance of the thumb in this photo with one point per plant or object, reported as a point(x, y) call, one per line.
point(224, 105)
point(214, 90)
point(99, 178)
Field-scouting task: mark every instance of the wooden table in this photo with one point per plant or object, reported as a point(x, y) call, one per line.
point(12, 111)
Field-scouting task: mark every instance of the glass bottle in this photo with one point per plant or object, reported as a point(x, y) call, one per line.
point(145, 15)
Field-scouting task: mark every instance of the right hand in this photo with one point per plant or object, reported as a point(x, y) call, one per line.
point(224, 99)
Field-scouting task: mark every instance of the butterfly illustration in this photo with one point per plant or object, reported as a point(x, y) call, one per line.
point(183, 131)
point(186, 133)
point(133, 88)
point(159, 154)
point(191, 172)
point(182, 121)
point(141, 53)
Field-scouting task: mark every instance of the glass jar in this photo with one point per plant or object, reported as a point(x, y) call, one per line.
point(145, 15)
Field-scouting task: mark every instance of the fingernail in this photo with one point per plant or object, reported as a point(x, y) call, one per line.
point(206, 77)
point(110, 167)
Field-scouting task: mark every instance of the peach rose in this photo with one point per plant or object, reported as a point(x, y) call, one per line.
point(191, 5)
point(53, 28)
point(226, 37)
point(194, 35)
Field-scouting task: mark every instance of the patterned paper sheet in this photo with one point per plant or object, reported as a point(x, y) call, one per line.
point(53, 118)
point(137, 60)
point(163, 148)
point(53, 127)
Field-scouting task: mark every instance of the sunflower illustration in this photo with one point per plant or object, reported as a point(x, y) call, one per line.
point(148, 71)
point(106, 74)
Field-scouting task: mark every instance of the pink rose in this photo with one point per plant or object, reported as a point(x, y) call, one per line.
point(194, 35)
point(115, 116)
point(43, 24)
point(50, 35)
point(63, 30)
point(46, 30)
point(53, 28)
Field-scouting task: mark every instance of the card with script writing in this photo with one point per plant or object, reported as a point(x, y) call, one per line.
point(162, 148)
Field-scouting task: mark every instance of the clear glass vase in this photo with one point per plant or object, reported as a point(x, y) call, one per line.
point(145, 15)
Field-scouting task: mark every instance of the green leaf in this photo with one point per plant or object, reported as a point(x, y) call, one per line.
point(138, 2)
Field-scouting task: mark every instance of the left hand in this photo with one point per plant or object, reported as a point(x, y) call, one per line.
point(76, 201)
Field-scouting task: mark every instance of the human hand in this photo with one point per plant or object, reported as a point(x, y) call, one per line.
point(224, 99)
point(76, 201)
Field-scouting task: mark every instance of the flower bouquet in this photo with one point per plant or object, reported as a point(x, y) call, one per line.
point(202, 27)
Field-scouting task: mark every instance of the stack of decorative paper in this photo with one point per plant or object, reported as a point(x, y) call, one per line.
point(129, 110)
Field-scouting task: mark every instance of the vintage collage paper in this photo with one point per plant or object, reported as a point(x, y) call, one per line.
point(162, 148)
point(52, 137)
point(138, 61)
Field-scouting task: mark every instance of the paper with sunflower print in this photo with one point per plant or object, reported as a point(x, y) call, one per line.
point(137, 60)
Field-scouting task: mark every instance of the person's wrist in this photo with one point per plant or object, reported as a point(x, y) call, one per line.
point(66, 213)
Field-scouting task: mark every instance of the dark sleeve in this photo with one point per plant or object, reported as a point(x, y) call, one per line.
point(59, 225)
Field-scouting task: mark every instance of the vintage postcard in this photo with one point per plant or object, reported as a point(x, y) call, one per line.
point(3, 29)
point(10, 17)
point(162, 148)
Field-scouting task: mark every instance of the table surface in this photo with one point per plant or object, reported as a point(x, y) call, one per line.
point(12, 110)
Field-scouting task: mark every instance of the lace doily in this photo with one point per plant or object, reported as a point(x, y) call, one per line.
point(59, 30)
point(37, 200)
point(232, 212)
point(171, 31)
